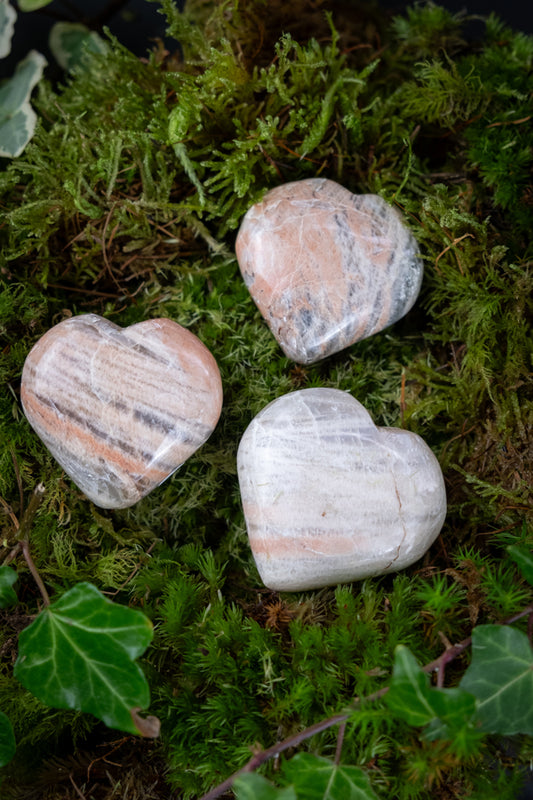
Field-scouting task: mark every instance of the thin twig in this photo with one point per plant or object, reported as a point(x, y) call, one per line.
point(23, 535)
point(83, 291)
point(10, 513)
point(76, 788)
point(447, 656)
point(340, 719)
point(287, 744)
point(455, 241)
point(520, 615)
point(509, 122)
point(27, 520)
point(340, 741)
point(13, 554)
point(33, 569)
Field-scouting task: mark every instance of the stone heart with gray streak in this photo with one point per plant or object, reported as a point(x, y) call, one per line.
point(330, 498)
point(325, 267)
point(120, 409)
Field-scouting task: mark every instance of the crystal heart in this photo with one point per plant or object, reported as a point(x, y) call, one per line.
point(120, 409)
point(329, 497)
point(325, 267)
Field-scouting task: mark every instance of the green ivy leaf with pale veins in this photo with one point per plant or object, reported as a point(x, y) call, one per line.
point(501, 677)
point(317, 778)
point(80, 653)
point(17, 117)
point(412, 699)
point(252, 786)
point(8, 16)
point(68, 41)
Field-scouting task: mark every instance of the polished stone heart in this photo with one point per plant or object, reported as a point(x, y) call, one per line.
point(120, 409)
point(325, 267)
point(330, 498)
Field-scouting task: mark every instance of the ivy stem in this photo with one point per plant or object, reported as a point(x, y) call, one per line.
point(23, 536)
point(36, 499)
point(33, 569)
point(340, 719)
point(340, 740)
point(286, 744)
point(439, 664)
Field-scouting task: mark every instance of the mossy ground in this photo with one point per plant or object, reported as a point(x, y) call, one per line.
point(126, 204)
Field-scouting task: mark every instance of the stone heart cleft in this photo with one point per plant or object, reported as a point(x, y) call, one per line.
point(325, 267)
point(120, 409)
point(330, 498)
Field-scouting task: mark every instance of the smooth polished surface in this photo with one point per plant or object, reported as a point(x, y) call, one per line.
point(325, 267)
point(329, 498)
point(120, 409)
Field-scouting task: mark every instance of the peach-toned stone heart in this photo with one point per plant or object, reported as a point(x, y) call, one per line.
point(329, 498)
point(325, 267)
point(120, 409)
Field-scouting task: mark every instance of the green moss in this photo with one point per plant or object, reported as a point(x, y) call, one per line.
point(126, 204)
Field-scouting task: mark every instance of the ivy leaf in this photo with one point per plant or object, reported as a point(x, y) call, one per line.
point(408, 693)
point(79, 653)
point(8, 17)
point(454, 709)
point(17, 118)
point(317, 778)
point(33, 5)
point(252, 786)
point(68, 41)
point(8, 577)
point(501, 677)
point(412, 699)
point(524, 560)
point(7, 740)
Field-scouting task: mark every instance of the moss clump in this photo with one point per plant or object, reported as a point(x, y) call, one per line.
point(126, 204)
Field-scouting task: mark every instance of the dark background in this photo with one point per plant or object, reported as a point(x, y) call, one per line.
point(137, 22)
point(516, 13)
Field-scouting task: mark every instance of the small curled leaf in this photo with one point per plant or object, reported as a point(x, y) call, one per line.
point(149, 726)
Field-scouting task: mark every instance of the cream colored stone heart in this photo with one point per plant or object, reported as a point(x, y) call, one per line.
point(329, 497)
point(120, 409)
point(326, 267)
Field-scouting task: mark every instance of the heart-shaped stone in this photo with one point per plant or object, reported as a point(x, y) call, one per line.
point(120, 409)
point(329, 498)
point(325, 267)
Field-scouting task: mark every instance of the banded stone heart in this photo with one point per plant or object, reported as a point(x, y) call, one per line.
point(120, 409)
point(329, 497)
point(325, 267)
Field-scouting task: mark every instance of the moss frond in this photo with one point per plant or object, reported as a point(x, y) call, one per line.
point(126, 204)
